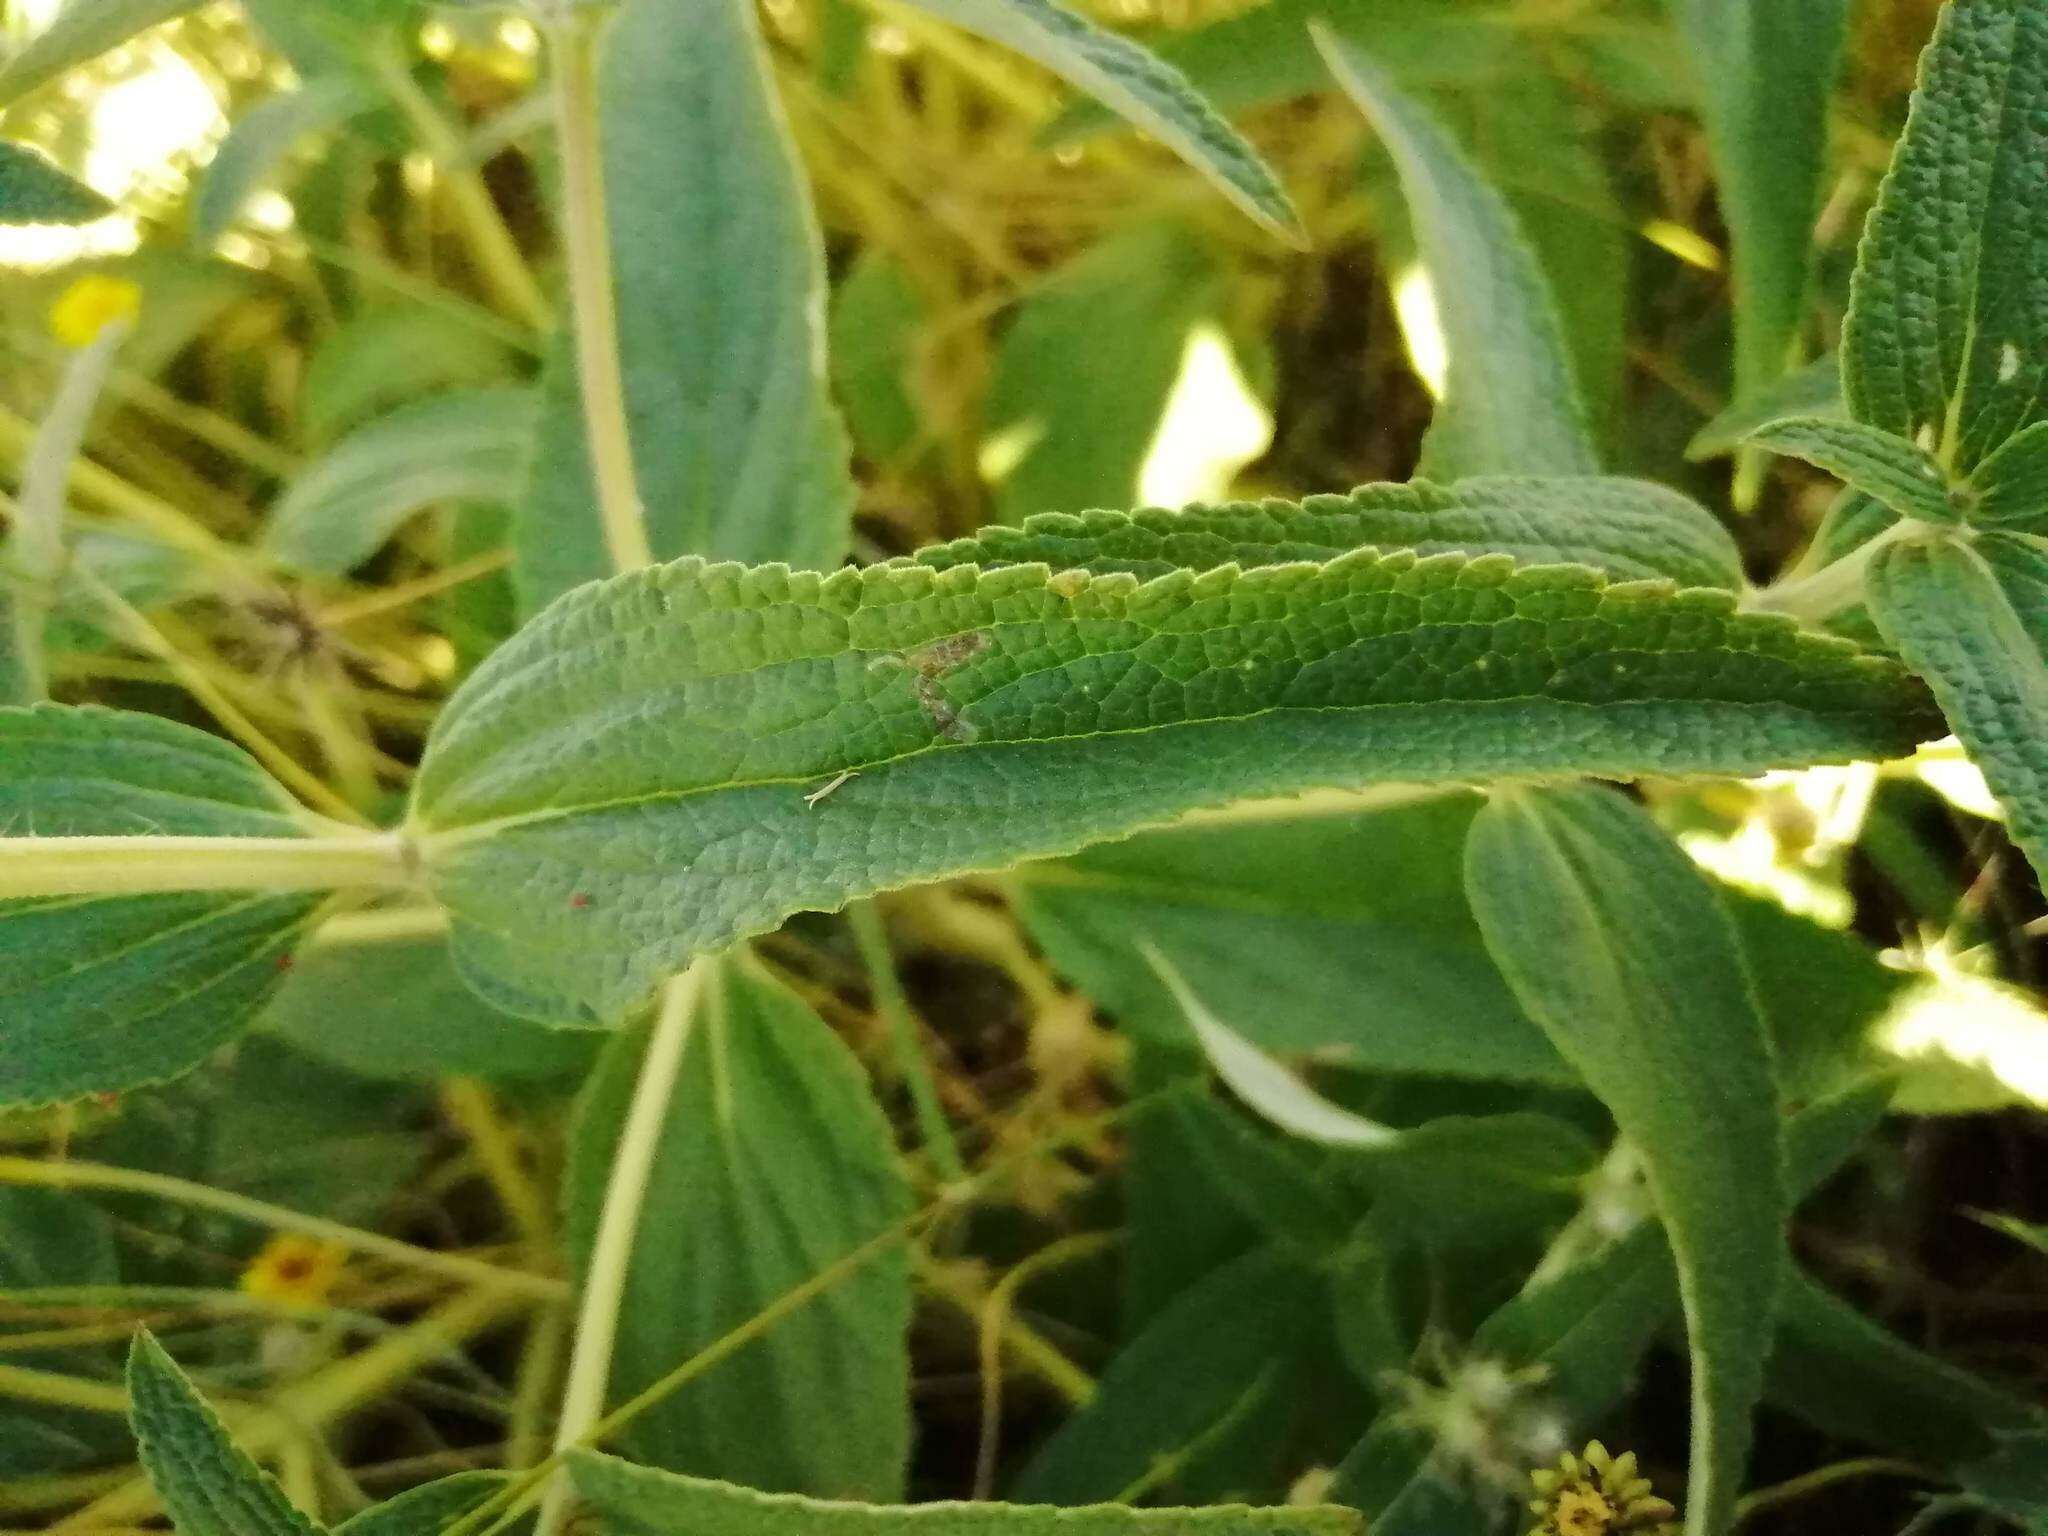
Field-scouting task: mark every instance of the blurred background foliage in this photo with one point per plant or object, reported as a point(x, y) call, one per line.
point(300, 487)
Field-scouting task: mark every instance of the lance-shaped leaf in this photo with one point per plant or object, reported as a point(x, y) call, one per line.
point(680, 757)
point(1972, 619)
point(775, 1163)
point(1902, 475)
point(465, 445)
point(1947, 335)
point(35, 191)
point(1511, 404)
point(720, 285)
point(1815, 390)
point(80, 33)
point(260, 140)
point(639, 1501)
point(1766, 70)
point(208, 1483)
point(1136, 85)
point(99, 993)
point(1628, 528)
point(1616, 946)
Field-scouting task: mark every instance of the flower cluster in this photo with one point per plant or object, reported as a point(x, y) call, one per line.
point(1596, 1494)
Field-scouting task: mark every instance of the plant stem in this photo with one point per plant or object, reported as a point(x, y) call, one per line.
point(587, 244)
point(611, 1255)
point(138, 866)
point(890, 1002)
point(499, 261)
point(1834, 586)
point(472, 1272)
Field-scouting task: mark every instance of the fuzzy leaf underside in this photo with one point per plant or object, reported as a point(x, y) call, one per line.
point(624, 784)
point(1139, 87)
point(1947, 334)
point(208, 1483)
point(1632, 529)
point(104, 993)
point(1511, 403)
point(1655, 1010)
point(1902, 475)
point(34, 191)
point(720, 282)
point(1972, 619)
point(639, 1501)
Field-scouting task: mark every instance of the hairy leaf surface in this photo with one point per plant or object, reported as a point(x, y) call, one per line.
point(104, 993)
point(1902, 475)
point(1628, 528)
point(208, 1483)
point(680, 757)
point(1947, 336)
point(1617, 947)
point(1511, 404)
point(720, 289)
point(34, 191)
point(775, 1163)
point(639, 1501)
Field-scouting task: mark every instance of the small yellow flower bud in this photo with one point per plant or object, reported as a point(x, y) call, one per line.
point(90, 305)
point(296, 1270)
point(1597, 1494)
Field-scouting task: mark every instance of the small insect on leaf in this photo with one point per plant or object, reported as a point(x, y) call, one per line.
point(820, 793)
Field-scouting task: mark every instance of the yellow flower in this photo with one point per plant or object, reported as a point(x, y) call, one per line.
point(90, 305)
point(295, 1270)
point(1598, 1495)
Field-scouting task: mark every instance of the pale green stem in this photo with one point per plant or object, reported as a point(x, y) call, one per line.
point(611, 1254)
point(138, 866)
point(261, 1213)
point(1833, 587)
point(933, 1127)
point(503, 268)
point(587, 245)
point(36, 550)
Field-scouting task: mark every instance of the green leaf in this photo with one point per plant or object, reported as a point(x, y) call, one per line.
point(1902, 475)
point(2011, 486)
point(1629, 528)
point(1511, 404)
point(209, 1485)
point(390, 354)
point(1137, 86)
point(638, 1501)
point(80, 33)
point(1846, 1375)
point(1188, 1374)
point(877, 316)
point(390, 1007)
point(775, 1165)
point(721, 290)
point(1344, 933)
point(1814, 391)
point(104, 993)
point(431, 1507)
point(259, 141)
point(34, 191)
point(1767, 70)
point(1084, 373)
point(1947, 336)
point(627, 782)
point(1617, 947)
point(1948, 609)
point(465, 445)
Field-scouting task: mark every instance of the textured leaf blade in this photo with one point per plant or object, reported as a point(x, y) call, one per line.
point(1511, 404)
point(208, 1484)
point(1139, 87)
point(80, 33)
point(775, 1164)
point(1947, 335)
point(1616, 945)
point(1629, 528)
point(1813, 391)
point(1902, 475)
point(2011, 486)
point(1946, 608)
point(461, 446)
point(1767, 70)
point(639, 1501)
point(105, 993)
point(721, 293)
point(34, 191)
point(625, 782)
